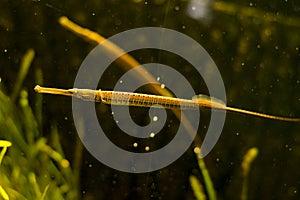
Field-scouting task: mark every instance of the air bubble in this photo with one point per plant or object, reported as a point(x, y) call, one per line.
point(152, 135)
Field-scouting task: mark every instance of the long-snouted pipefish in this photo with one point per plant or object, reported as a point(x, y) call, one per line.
point(148, 100)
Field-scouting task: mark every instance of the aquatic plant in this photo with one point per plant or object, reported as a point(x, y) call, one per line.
point(3, 144)
point(246, 165)
point(199, 188)
point(35, 166)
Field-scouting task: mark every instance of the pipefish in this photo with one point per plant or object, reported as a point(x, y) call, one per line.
point(157, 101)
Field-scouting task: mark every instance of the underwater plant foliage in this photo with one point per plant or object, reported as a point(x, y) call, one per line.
point(34, 167)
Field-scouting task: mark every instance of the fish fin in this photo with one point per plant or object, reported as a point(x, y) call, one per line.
point(208, 100)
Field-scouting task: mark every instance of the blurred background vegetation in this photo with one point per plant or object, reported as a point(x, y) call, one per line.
point(255, 44)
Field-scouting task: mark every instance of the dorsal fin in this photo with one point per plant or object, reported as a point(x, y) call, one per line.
point(209, 101)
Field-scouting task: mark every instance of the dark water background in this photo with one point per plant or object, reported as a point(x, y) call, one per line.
point(256, 48)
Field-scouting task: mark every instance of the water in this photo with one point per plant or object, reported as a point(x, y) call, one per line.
point(255, 46)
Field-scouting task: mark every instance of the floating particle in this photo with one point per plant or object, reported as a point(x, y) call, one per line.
point(152, 135)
